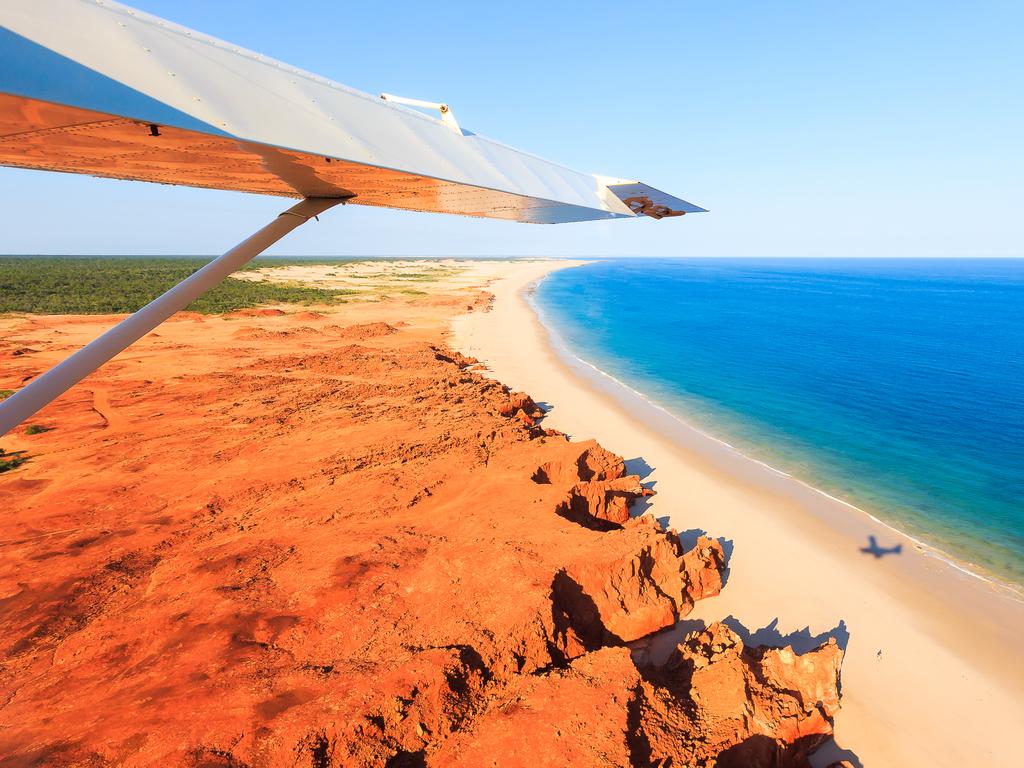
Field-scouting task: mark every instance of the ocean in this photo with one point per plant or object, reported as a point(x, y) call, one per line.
point(896, 385)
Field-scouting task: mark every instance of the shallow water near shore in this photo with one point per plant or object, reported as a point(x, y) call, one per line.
point(895, 385)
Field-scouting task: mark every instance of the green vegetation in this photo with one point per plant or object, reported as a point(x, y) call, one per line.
point(36, 429)
point(110, 285)
point(11, 460)
point(5, 393)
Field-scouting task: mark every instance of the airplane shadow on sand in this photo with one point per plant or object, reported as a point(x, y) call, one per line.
point(878, 552)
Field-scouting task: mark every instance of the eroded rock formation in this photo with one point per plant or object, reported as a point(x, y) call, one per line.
point(600, 492)
point(741, 707)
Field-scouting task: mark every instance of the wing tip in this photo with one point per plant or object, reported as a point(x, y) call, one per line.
point(644, 200)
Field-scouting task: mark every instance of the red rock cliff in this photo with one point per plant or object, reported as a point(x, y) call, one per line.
point(359, 554)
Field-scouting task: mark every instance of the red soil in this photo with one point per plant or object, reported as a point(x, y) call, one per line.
point(325, 541)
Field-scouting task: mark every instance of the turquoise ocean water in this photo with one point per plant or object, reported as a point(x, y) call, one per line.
point(896, 385)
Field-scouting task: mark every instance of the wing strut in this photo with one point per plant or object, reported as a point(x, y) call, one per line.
point(59, 379)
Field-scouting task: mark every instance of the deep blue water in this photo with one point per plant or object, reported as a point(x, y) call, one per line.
point(894, 384)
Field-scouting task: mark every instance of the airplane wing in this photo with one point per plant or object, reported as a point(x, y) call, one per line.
point(96, 87)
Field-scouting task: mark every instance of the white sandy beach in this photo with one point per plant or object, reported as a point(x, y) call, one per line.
point(933, 674)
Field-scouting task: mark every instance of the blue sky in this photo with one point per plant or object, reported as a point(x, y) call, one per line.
point(808, 128)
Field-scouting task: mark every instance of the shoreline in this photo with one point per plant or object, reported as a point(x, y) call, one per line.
point(930, 678)
point(1012, 590)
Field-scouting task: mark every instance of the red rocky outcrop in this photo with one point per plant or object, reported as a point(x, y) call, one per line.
point(717, 703)
point(640, 584)
point(710, 709)
point(521, 405)
point(600, 492)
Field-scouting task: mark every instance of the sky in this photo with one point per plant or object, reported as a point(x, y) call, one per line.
point(812, 128)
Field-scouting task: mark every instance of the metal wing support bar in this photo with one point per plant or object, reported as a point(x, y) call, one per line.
point(46, 388)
